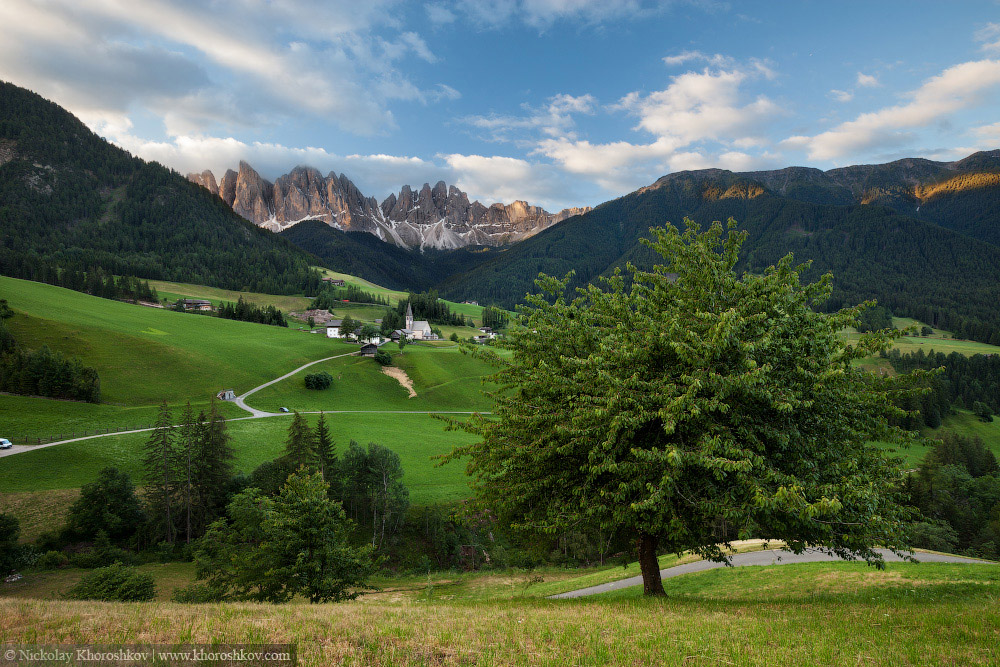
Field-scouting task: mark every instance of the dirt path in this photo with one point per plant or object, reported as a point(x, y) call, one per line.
point(400, 376)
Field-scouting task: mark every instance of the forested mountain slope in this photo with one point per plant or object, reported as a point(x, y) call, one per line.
point(70, 200)
point(917, 268)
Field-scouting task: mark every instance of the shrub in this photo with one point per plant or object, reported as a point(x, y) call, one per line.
point(382, 358)
point(115, 583)
point(197, 594)
point(453, 337)
point(101, 554)
point(321, 380)
point(52, 560)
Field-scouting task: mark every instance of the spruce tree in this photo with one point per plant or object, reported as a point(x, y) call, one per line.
point(300, 448)
point(325, 450)
point(187, 443)
point(160, 473)
point(214, 467)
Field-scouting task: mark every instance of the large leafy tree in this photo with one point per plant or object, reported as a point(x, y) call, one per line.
point(687, 406)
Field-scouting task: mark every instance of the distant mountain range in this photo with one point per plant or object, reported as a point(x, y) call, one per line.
point(921, 237)
point(441, 218)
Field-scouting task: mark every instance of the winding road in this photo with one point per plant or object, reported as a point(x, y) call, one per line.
point(254, 413)
point(766, 557)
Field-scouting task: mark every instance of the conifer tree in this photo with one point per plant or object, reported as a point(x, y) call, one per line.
point(300, 448)
point(214, 466)
point(325, 450)
point(160, 473)
point(188, 436)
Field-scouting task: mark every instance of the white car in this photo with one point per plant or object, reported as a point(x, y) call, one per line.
point(5, 443)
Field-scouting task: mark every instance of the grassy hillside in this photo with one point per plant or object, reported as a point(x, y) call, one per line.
point(34, 417)
point(811, 614)
point(174, 291)
point(443, 378)
point(145, 355)
point(415, 437)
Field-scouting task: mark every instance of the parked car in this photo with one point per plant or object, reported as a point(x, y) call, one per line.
point(283, 409)
point(5, 443)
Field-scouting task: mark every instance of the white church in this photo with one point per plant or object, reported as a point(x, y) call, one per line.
point(416, 330)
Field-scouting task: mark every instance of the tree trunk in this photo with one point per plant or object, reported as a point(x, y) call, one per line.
point(649, 565)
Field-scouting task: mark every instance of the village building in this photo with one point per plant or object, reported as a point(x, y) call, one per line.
point(335, 282)
point(415, 330)
point(333, 328)
point(194, 304)
point(226, 395)
point(369, 349)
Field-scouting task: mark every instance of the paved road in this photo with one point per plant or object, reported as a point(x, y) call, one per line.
point(769, 557)
point(241, 400)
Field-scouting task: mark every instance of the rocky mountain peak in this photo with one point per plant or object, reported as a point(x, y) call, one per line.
point(434, 217)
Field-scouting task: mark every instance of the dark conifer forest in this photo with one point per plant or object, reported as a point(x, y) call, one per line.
point(70, 201)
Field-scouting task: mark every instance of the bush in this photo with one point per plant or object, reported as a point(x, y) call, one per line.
point(197, 594)
point(321, 380)
point(382, 358)
point(52, 560)
point(453, 337)
point(101, 554)
point(115, 583)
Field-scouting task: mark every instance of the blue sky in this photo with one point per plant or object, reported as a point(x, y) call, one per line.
point(559, 102)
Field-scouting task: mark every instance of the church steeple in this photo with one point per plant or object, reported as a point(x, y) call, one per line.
point(409, 318)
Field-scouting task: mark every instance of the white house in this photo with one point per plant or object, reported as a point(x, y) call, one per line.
point(333, 328)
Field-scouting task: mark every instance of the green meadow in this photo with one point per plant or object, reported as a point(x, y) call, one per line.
point(830, 614)
point(147, 355)
point(939, 340)
point(34, 417)
point(174, 291)
point(443, 378)
point(417, 438)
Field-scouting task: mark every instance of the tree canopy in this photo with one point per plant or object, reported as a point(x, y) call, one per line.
point(687, 406)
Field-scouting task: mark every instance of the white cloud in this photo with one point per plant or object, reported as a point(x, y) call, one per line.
point(553, 120)
point(237, 63)
point(868, 80)
point(504, 179)
point(541, 14)
point(989, 35)
point(956, 88)
point(988, 134)
point(486, 178)
point(701, 105)
point(700, 120)
point(376, 175)
point(842, 95)
point(716, 59)
point(439, 14)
